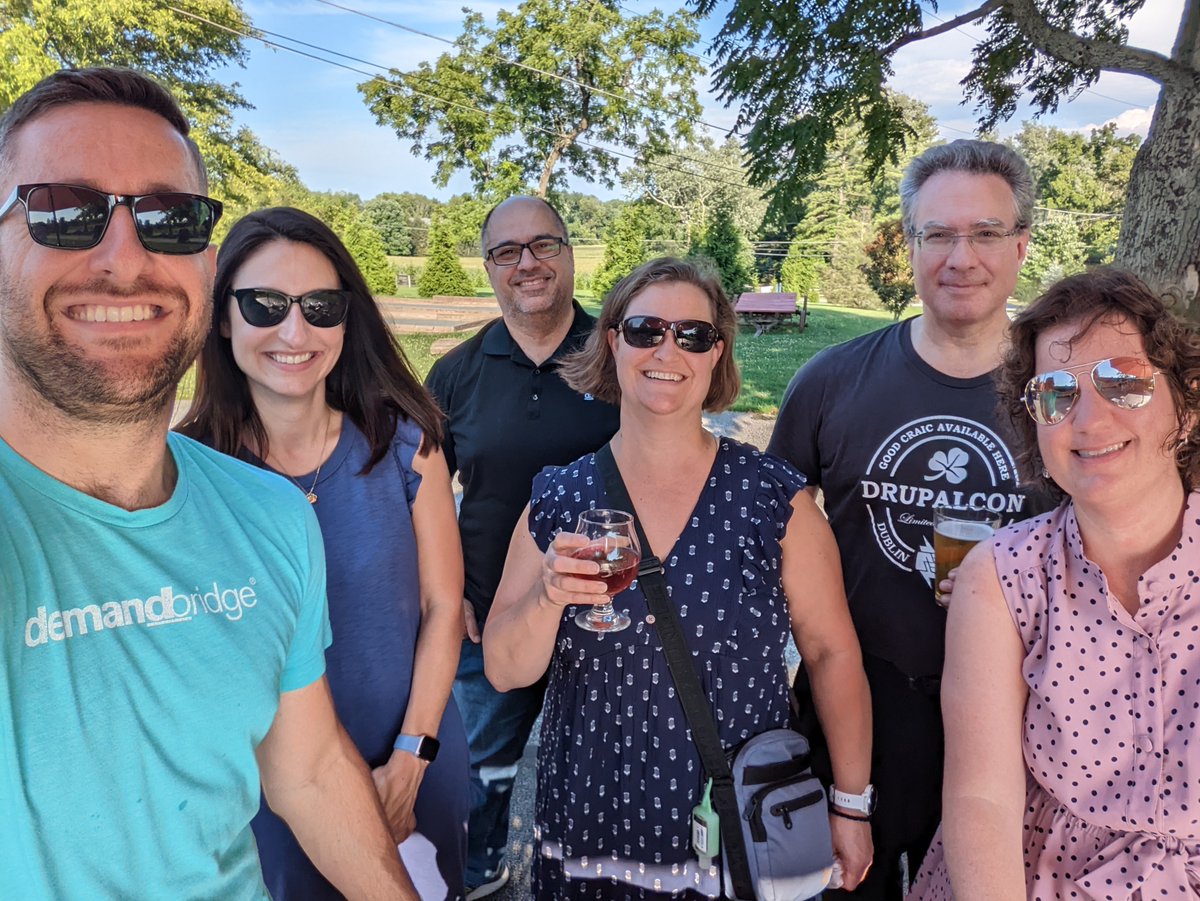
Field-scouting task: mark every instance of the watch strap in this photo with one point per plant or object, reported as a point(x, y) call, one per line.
point(861, 803)
point(424, 747)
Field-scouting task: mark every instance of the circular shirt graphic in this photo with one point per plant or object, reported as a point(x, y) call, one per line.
point(935, 460)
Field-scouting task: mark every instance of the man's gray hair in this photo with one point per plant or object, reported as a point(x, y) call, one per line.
point(123, 87)
point(976, 158)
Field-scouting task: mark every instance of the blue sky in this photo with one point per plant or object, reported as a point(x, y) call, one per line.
point(313, 116)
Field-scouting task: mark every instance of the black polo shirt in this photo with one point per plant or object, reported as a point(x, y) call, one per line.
point(508, 418)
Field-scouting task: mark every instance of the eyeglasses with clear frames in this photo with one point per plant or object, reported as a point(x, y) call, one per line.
point(940, 242)
point(509, 254)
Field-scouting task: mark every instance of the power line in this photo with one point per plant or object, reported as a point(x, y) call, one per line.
point(442, 100)
point(517, 63)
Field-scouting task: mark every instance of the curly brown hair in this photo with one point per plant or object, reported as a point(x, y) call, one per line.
point(591, 369)
point(1105, 294)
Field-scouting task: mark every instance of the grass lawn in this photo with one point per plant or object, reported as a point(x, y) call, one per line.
point(768, 362)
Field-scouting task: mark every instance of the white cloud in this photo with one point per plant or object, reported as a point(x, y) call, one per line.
point(1134, 121)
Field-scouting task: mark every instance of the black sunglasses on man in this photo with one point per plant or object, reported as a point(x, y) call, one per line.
point(75, 217)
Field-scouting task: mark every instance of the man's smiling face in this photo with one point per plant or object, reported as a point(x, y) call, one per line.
point(102, 334)
point(531, 287)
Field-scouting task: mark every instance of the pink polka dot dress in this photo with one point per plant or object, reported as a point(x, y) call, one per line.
point(1110, 740)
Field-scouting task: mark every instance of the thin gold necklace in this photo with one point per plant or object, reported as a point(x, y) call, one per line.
point(311, 492)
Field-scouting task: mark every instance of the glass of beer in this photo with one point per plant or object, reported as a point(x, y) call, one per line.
point(955, 531)
point(612, 543)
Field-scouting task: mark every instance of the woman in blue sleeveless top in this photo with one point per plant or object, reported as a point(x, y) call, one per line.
point(301, 375)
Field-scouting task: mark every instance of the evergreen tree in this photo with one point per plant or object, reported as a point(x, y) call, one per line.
point(801, 269)
point(443, 273)
point(624, 249)
point(726, 246)
point(366, 246)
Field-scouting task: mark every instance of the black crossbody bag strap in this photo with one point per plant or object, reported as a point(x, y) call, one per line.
point(687, 685)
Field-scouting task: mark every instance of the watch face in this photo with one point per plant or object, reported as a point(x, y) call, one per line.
point(427, 748)
point(422, 746)
point(869, 799)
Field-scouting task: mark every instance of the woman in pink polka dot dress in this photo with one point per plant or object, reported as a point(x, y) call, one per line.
point(1072, 683)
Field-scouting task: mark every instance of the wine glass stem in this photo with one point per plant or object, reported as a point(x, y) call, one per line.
point(603, 611)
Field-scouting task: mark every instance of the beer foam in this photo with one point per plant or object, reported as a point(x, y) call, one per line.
point(958, 530)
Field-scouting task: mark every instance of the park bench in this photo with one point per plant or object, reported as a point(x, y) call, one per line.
point(764, 311)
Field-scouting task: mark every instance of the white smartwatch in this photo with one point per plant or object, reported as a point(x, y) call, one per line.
point(864, 803)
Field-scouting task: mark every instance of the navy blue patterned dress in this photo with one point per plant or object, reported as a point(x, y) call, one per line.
point(618, 774)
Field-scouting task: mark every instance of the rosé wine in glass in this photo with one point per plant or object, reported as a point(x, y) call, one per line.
point(613, 544)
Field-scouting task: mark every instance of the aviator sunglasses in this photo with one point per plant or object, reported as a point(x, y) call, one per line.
point(1127, 382)
point(73, 217)
point(262, 307)
point(693, 335)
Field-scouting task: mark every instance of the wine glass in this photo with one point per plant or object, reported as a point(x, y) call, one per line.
point(613, 543)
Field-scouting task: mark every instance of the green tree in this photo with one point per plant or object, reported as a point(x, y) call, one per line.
point(587, 217)
point(624, 248)
point(462, 218)
point(888, 271)
point(443, 273)
point(698, 177)
point(801, 270)
point(802, 69)
point(1083, 175)
point(402, 220)
point(726, 246)
point(622, 81)
point(1056, 249)
point(343, 212)
point(37, 37)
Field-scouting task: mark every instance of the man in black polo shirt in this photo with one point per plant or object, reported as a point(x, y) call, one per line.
point(509, 415)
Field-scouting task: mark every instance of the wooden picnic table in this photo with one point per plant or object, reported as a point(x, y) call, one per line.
point(765, 310)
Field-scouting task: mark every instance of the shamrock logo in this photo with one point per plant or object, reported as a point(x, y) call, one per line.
point(952, 464)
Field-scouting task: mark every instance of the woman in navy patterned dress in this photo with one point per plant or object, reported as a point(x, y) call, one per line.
point(747, 556)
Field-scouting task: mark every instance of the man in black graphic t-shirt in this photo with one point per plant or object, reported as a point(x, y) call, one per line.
point(889, 425)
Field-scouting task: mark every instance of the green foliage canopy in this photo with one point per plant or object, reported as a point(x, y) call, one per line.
point(38, 37)
point(623, 81)
point(802, 69)
point(403, 221)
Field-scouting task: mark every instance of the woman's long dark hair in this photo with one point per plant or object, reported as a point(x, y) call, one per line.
point(372, 381)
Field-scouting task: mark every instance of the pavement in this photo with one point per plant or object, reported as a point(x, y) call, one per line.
point(752, 428)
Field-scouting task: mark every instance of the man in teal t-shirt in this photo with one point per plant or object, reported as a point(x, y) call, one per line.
point(162, 607)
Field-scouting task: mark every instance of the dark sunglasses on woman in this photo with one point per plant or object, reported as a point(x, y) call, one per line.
point(262, 307)
point(1127, 382)
point(74, 217)
point(693, 335)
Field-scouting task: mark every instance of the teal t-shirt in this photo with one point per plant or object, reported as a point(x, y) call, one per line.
point(142, 656)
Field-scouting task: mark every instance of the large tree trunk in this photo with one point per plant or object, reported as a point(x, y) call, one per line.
point(1160, 231)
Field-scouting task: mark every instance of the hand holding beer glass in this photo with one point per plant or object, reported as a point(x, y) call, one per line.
point(955, 531)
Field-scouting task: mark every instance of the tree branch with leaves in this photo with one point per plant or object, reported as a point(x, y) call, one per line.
point(546, 90)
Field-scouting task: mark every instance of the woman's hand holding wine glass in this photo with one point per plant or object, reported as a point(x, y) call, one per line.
point(589, 566)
